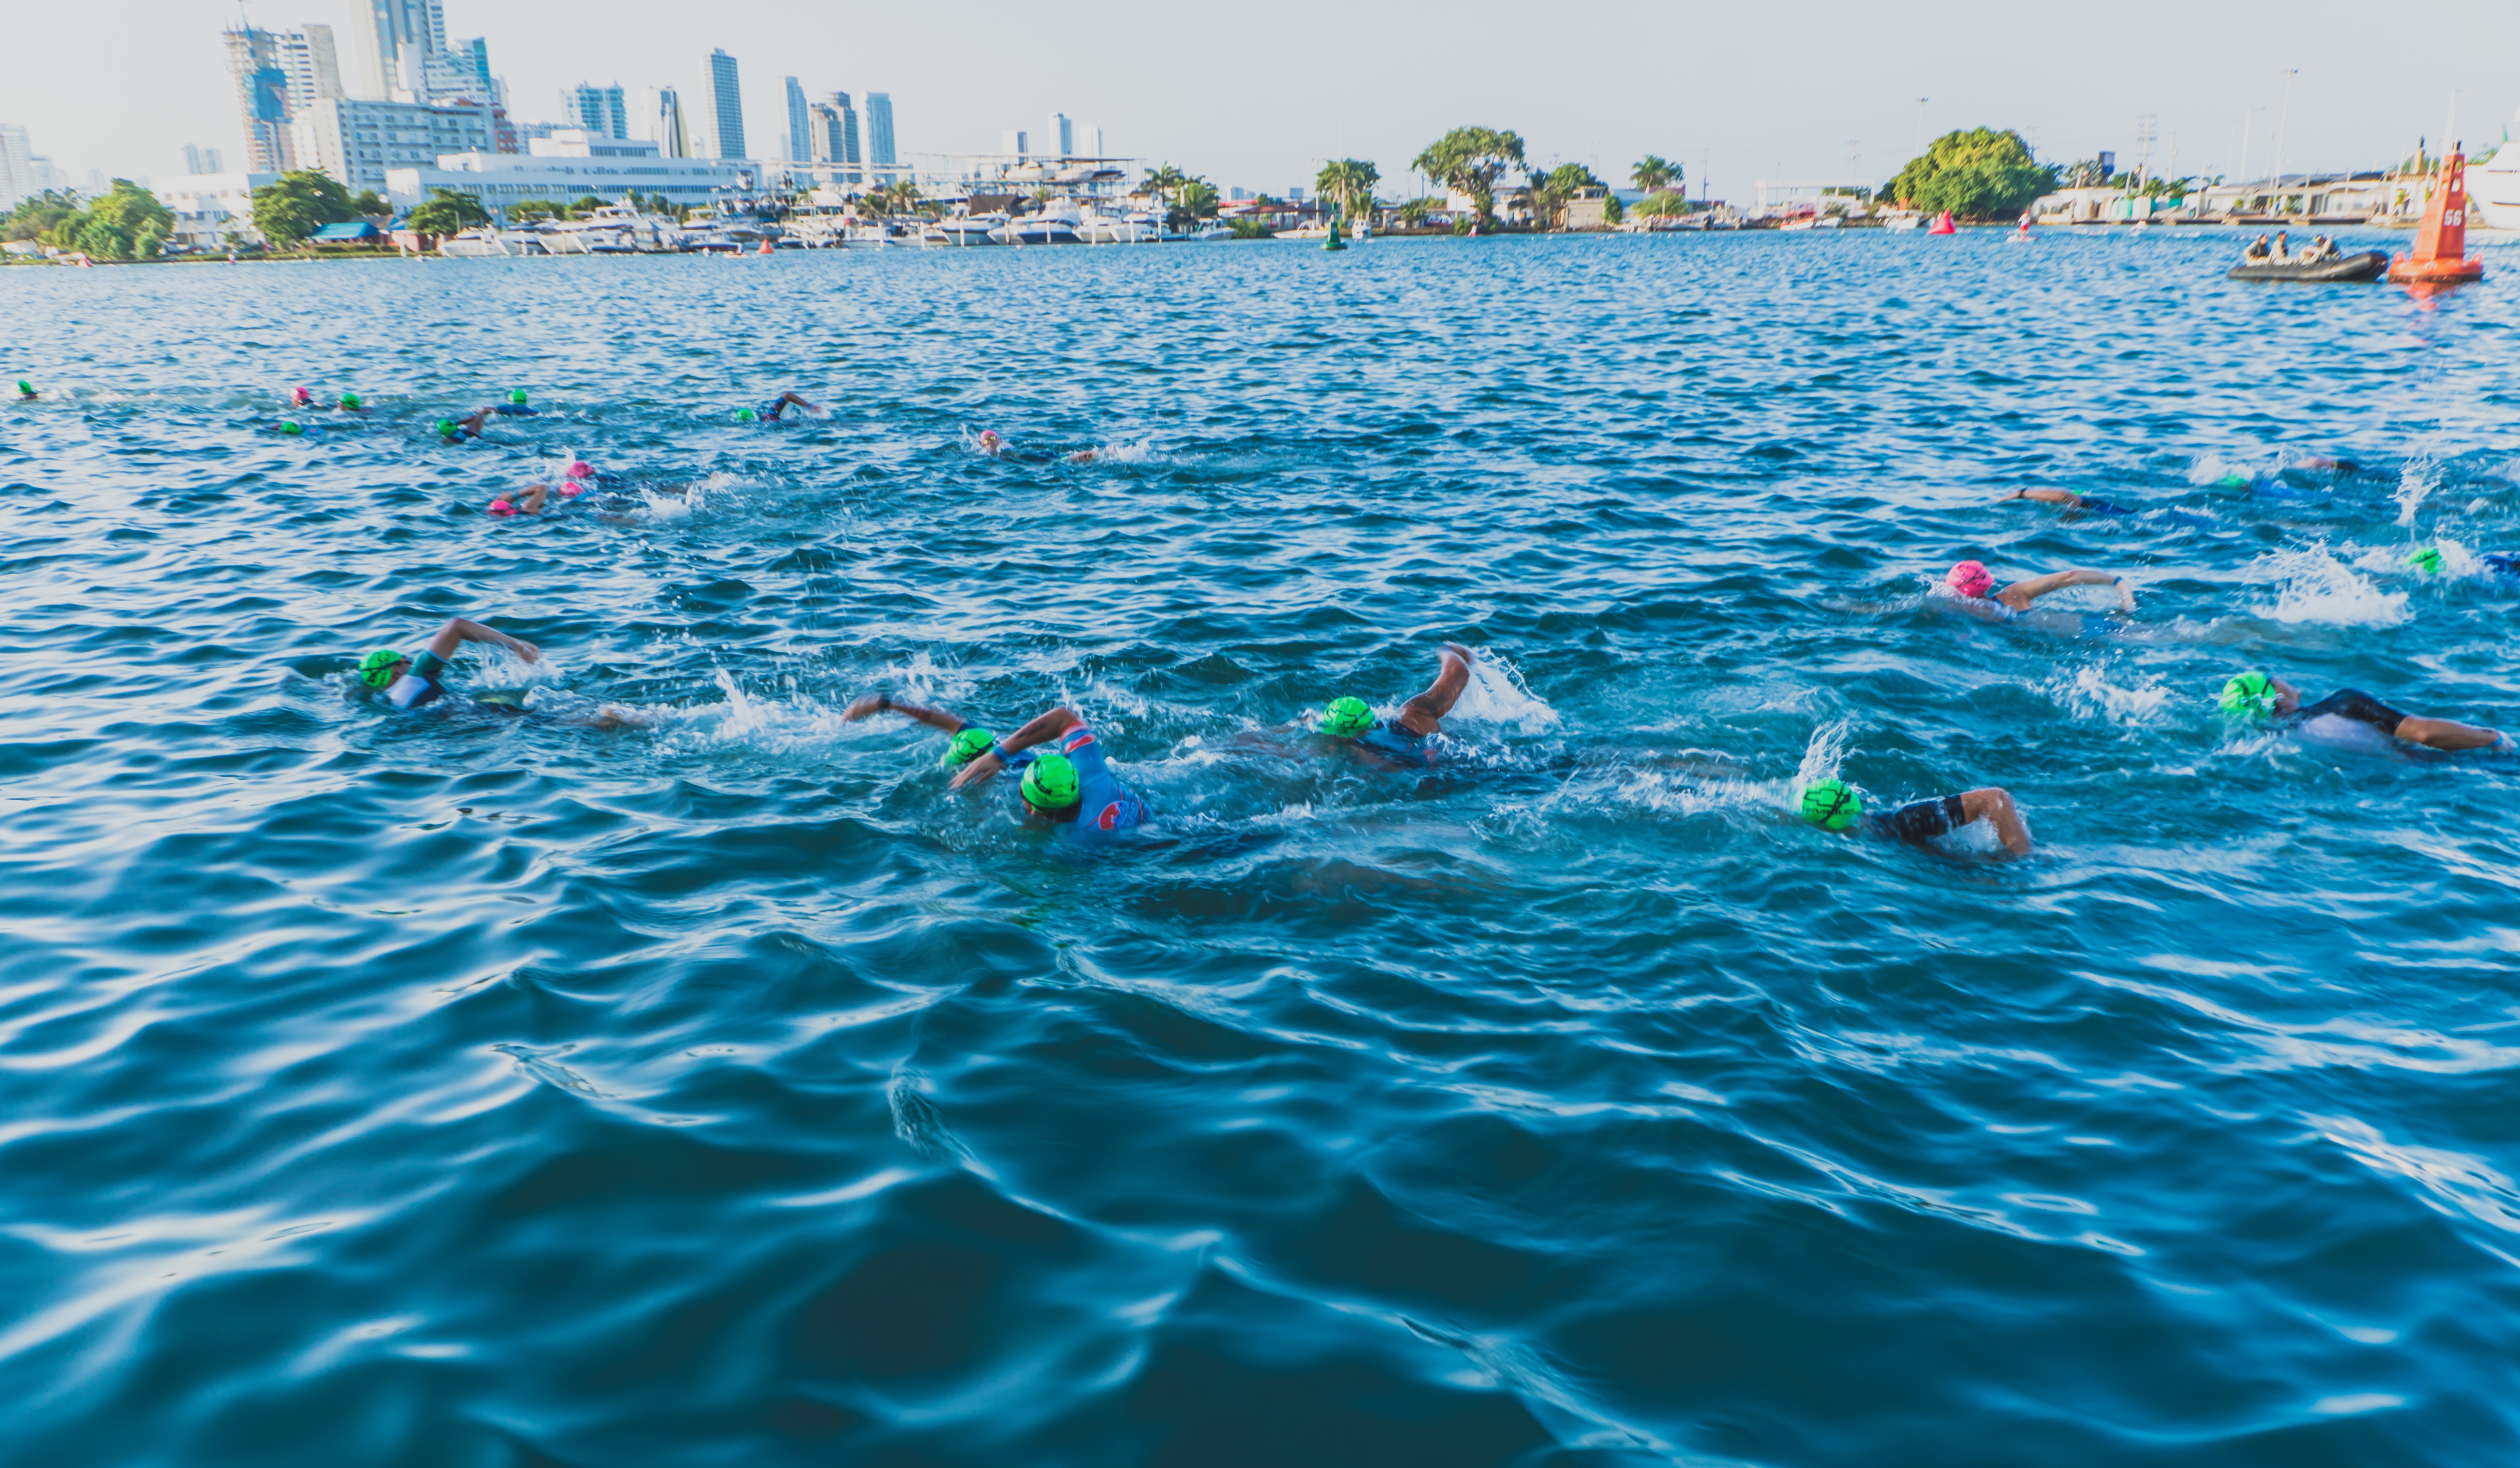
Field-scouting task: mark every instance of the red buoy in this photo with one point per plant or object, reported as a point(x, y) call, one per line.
point(1943, 224)
point(2440, 256)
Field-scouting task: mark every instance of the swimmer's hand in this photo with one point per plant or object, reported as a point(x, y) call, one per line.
point(979, 769)
point(2125, 596)
point(861, 709)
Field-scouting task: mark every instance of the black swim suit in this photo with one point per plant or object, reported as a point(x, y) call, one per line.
point(2502, 563)
point(2359, 706)
point(1920, 822)
point(2098, 505)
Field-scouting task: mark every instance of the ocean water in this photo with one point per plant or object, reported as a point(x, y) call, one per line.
point(460, 1087)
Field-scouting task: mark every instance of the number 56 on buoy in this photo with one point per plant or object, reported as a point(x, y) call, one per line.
point(2440, 256)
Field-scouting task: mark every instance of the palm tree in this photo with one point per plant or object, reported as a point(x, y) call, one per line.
point(1654, 175)
point(1349, 184)
point(1469, 160)
point(1163, 183)
point(903, 196)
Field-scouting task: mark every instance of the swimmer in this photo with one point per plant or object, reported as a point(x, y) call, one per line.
point(513, 407)
point(2502, 563)
point(350, 403)
point(530, 500)
point(968, 740)
point(771, 410)
point(585, 475)
point(409, 681)
point(2257, 696)
point(1071, 785)
point(1976, 587)
point(2071, 501)
point(1401, 742)
point(995, 447)
point(26, 392)
point(457, 429)
point(1833, 805)
point(299, 397)
point(2424, 561)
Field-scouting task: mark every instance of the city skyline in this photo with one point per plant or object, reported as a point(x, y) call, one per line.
point(1836, 95)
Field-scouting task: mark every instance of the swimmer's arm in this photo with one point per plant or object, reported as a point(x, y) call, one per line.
point(1995, 803)
point(459, 630)
point(877, 703)
point(2020, 594)
point(2046, 495)
point(1048, 727)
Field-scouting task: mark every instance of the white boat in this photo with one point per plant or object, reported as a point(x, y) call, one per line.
point(482, 242)
point(1829, 222)
point(1138, 227)
point(963, 231)
point(1800, 222)
point(2493, 189)
point(1209, 231)
point(1902, 219)
point(1055, 224)
point(611, 229)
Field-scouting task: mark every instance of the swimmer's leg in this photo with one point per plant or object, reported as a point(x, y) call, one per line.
point(1995, 803)
point(2444, 733)
point(1424, 714)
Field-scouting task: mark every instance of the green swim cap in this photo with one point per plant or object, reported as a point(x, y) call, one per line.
point(349, 400)
point(26, 389)
point(2249, 695)
point(288, 427)
point(1346, 717)
point(2234, 481)
point(446, 427)
point(376, 669)
point(1050, 784)
point(745, 415)
point(1830, 804)
point(518, 396)
point(969, 745)
point(2427, 561)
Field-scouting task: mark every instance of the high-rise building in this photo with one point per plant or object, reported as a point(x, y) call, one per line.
point(198, 161)
point(394, 38)
point(879, 117)
point(1015, 141)
point(17, 178)
point(834, 138)
point(800, 146)
point(602, 111)
point(721, 109)
point(1060, 139)
point(1089, 139)
point(473, 58)
point(280, 74)
point(356, 140)
point(848, 150)
point(666, 127)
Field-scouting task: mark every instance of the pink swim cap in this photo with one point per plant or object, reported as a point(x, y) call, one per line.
point(580, 470)
point(302, 397)
point(1970, 579)
point(501, 507)
point(567, 491)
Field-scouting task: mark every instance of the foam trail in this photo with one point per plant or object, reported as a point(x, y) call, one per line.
point(2314, 585)
point(1497, 695)
point(2420, 477)
point(1823, 754)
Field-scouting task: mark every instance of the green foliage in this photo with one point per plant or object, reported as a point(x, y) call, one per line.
point(527, 211)
point(1415, 210)
point(372, 202)
point(587, 204)
point(1469, 160)
point(35, 215)
point(448, 212)
point(1250, 227)
point(1613, 211)
point(1663, 206)
point(1979, 175)
point(1199, 200)
point(301, 202)
point(1567, 178)
point(1653, 173)
point(1349, 184)
point(126, 224)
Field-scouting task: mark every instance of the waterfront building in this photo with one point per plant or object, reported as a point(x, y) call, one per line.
point(571, 164)
point(1014, 142)
point(213, 210)
point(605, 111)
point(1060, 139)
point(834, 135)
point(800, 146)
point(358, 142)
point(665, 125)
point(881, 156)
point(721, 109)
point(1089, 138)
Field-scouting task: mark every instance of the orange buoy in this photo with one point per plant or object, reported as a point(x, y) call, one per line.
point(1943, 224)
point(2440, 256)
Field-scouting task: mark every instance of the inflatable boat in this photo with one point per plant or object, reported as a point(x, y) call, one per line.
point(2370, 265)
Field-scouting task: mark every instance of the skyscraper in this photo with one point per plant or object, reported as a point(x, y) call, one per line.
point(1015, 141)
point(1060, 139)
point(722, 109)
point(200, 161)
point(604, 111)
point(18, 177)
point(835, 137)
point(673, 136)
point(392, 28)
point(879, 111)
point(278, 75)
point(800, 146)
point(845, 148)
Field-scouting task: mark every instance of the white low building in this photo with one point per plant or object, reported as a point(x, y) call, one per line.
point(360, 142)
point(214, 209)
point(572, 164)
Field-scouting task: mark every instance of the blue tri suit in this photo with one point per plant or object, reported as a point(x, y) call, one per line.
point(1388, 740)
point(1108, 806)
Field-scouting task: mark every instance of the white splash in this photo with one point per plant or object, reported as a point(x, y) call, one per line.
point(1497, 695)
point(2314, 585)
point(2089, 692)
point(2420, 477)
point(2214, 469)
point(1141, 452)
point(1823, 754)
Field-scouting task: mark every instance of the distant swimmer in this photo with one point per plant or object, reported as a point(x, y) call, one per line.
point(2071, 501)
point(457, 429)
point(530, 500)
point(1071, 785)
point(1974, 585)
point(1400, 741)
point(966, 743)
point(770, 412)
point(409, 680)
point(995, 447)
point(513, 407)
point(2258, 696)
point(1833, 805)
point(26, 392)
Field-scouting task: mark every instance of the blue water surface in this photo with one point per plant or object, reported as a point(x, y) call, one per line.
point(677, 1074)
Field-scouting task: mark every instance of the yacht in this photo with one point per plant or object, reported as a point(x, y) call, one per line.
point(2493, 189)
point(1055, 224)
point(1137, 227)
point(1212, 230)
point(486, 242)
point(1902, 219)
point(963, 231)
point(613, 229)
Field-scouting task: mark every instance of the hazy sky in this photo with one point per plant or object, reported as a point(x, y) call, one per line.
point(1258, 95)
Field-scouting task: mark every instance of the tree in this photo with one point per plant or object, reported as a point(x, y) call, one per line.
point(1469, 160)
point(904, 195)
point(35, 215)
point(1661, 205)
point(448, 212)
point(1979, 175)
point(1653, 173)
point(1198, 200)
point(1612, 211)
point(126, 224)
point(1349, 184)
point(301, 202)
point(370, 202)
